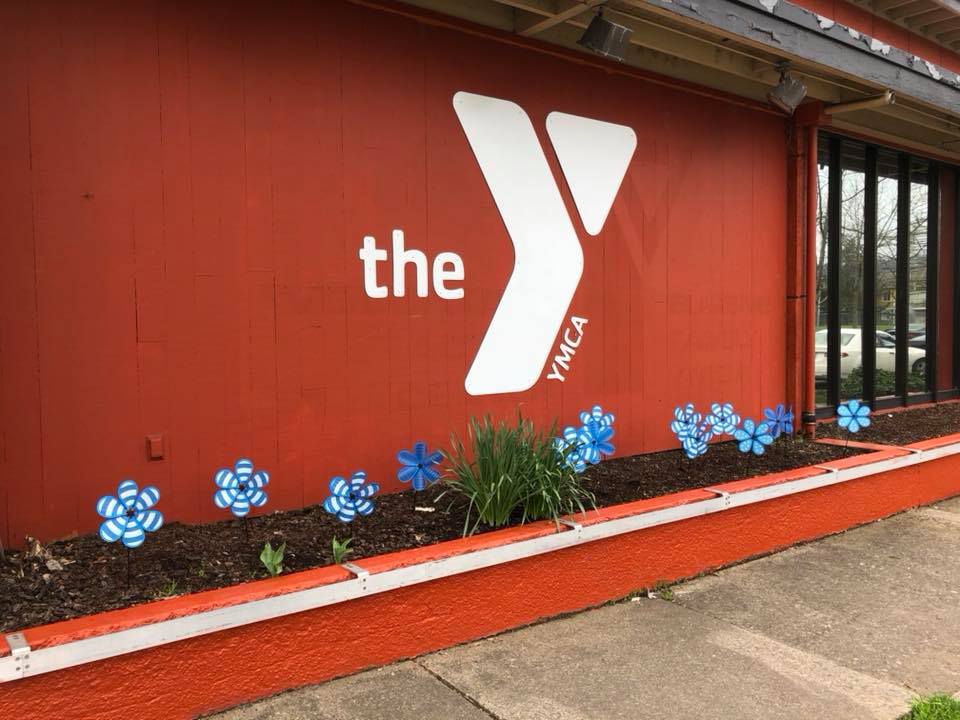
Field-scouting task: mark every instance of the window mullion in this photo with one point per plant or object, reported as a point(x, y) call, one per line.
point(933, 276)
point(834, 194)
point(903, 272)
point(869, 353)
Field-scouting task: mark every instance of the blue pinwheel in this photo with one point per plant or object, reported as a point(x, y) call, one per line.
point(240, 488)
point(853, 415)
point(597, 415)
point(721, 420)
point(349, 499)
point(128, 515)
point(570, 449)
point(686, 422)
point(418, 466)
point(753, 437)
point(780, 420)
point(696, 445)
point(594, 442)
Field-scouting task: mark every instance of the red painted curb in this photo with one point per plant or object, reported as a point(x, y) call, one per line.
point(195, 676)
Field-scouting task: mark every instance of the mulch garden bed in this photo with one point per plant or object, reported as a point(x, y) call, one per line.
point(903, 426)
point(84, 575)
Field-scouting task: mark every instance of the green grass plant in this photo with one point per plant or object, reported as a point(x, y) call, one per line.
point(509, 470)
point(341, 549)
point(934, 707)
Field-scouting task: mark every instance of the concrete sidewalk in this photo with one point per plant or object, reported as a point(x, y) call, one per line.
point(849, 627)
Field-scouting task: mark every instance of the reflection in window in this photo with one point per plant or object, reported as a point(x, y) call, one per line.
point(850, 293)
point(901, 196)
point(820, 339)
point(917, 277)
point(886, 278)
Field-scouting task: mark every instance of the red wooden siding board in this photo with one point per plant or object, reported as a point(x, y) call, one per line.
point(21, 489)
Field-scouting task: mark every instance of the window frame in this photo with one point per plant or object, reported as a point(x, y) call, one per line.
point(905, 162)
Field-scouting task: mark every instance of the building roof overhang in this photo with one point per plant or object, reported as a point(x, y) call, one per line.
point(740, 47)
point(937, 20)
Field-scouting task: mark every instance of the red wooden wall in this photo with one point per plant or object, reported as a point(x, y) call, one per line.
point(185, 189)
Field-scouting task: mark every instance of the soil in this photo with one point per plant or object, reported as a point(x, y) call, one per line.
point(646, 476)
point(84, 575)
point(903, 426)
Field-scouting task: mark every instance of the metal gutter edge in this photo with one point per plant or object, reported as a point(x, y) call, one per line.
point(78, 652)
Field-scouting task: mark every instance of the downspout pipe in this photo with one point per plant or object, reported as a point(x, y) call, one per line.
point(887, 98)
point(809, 415)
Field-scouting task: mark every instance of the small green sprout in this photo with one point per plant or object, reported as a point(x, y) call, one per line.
point(273, 559)
point(168, 589)
point(661, 590)
point(341, 549)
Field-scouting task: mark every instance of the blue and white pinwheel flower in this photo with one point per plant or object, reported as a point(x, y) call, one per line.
point(753, 437)
point(418, 466)
point(597, 415)
point(128, 515)
point(686, 422)
point(349, 499)
point(853, 415)
point(595, 442)
point(570, 449)
point(722, 420)
point(240, 488)
point(696, 445)
point(780, 420)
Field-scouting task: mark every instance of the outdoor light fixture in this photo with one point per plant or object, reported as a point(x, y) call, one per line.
point(788, 93)
point(605, 38)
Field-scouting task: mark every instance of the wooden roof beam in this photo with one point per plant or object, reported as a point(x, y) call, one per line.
point(566, 10)
point(942, 26)
point(922, 20)
point(912, 9)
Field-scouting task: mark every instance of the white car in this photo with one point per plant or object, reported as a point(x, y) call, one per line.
point(851, 342)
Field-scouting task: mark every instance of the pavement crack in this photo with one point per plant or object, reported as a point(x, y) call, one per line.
point(446, 683)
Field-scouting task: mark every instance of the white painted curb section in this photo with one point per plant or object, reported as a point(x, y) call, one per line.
point(26, 662)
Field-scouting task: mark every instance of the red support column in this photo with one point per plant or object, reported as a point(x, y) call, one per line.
point(795, 287)
point(809, 396)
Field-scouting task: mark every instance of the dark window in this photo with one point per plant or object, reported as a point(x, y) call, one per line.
point(877, 269)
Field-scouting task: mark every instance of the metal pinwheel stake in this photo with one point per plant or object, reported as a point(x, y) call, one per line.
point(240, 489)
point(419, 468)
point(588, 443)
point(780, 420)
point(128, 516)
point(348, 499)
point(852, 416)
point(753, 437)
point(692, 433)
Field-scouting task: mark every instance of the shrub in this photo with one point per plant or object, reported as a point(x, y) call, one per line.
point(934, 707)
point(555, 489)
point(885, 383)
point(514, 469)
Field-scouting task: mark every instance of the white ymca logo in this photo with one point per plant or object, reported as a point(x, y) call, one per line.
point(594, 156)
